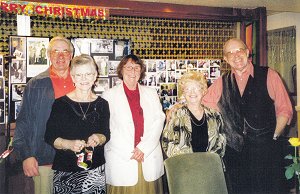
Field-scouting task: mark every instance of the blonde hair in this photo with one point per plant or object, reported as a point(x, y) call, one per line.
point(193, 76)
point(83, 59)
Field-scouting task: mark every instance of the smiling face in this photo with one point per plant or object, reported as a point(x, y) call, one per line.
point(236, 54)
point(84, 76)
point(60, 56)
point(131, 73)
point(193, 92)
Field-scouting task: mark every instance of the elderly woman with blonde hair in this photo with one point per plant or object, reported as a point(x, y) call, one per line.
point(193, 127)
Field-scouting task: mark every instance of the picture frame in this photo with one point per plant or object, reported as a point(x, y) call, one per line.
point(121, 49)
point(17, 91)
point(17, 47)
point(151, 65)
point(102, 46)
point(37, 61)
point(17, 71)
point(112, 67)
point(81, 46)
point(102, 64)
point(101, 85)
point(115, 80)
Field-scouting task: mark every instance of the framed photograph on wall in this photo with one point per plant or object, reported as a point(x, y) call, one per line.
point(102, 63)
point(1, 65)
point(37, 61)
point(102, 46)
point(115, 80)
point(17, 47)
point(81, 46)
point(112, 67)
point(17, 91)
point(17, 71)
point(121, 49)
point(101, 85)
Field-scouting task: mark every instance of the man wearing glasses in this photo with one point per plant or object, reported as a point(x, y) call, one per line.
point(256, 108)
point(38, 97)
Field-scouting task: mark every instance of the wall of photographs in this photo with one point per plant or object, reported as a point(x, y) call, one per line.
point(107, 54)
point(161, 74)
point(30, 59)
point(164, 75)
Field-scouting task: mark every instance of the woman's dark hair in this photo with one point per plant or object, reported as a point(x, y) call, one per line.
point(134, 59)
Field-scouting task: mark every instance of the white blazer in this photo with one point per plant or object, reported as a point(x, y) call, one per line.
point(119, 168)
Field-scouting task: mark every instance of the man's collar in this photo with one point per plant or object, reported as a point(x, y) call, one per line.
point(249, 70)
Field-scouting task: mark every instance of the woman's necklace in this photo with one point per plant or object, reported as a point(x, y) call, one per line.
point(84, 113)
point(198, 125)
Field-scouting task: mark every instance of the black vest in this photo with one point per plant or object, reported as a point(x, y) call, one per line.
point(251, 115)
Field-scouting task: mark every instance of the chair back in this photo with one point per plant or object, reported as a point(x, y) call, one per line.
point(195, 173)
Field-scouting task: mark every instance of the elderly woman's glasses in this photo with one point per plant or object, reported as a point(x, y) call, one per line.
point(192, 89)
point(86, 75)
point(130, 68)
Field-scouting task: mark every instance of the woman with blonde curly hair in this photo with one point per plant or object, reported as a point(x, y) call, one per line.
point(193, 127)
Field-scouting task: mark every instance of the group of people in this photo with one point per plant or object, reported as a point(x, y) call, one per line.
point(112, 144)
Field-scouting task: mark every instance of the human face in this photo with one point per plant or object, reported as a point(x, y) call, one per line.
point(193, 92)
point(236, 55)
point(84, 77)
point(131, 73)
point(60, 56)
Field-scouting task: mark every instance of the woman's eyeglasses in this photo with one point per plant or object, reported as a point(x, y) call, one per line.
point(192, 89)
point(86, 75)
point(130, 68)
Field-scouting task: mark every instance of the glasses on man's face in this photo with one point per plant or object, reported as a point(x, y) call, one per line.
point(235, 52)
point(130, 68)
point(57, 53)
point(82, 75)
point(192, 89)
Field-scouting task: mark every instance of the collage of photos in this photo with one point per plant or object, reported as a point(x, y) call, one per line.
point(2, 94)
point(29, 59)
point(164, 74)
point(107, 54)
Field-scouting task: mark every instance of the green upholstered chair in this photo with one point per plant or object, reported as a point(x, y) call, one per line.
point(195, 173)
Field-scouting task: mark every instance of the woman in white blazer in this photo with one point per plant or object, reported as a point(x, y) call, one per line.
point(134, 161)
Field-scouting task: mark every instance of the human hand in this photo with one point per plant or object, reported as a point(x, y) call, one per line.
point(93, 141)
point(137, 155)
point(76, 145)
point(173, 108)
point(31, 167)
